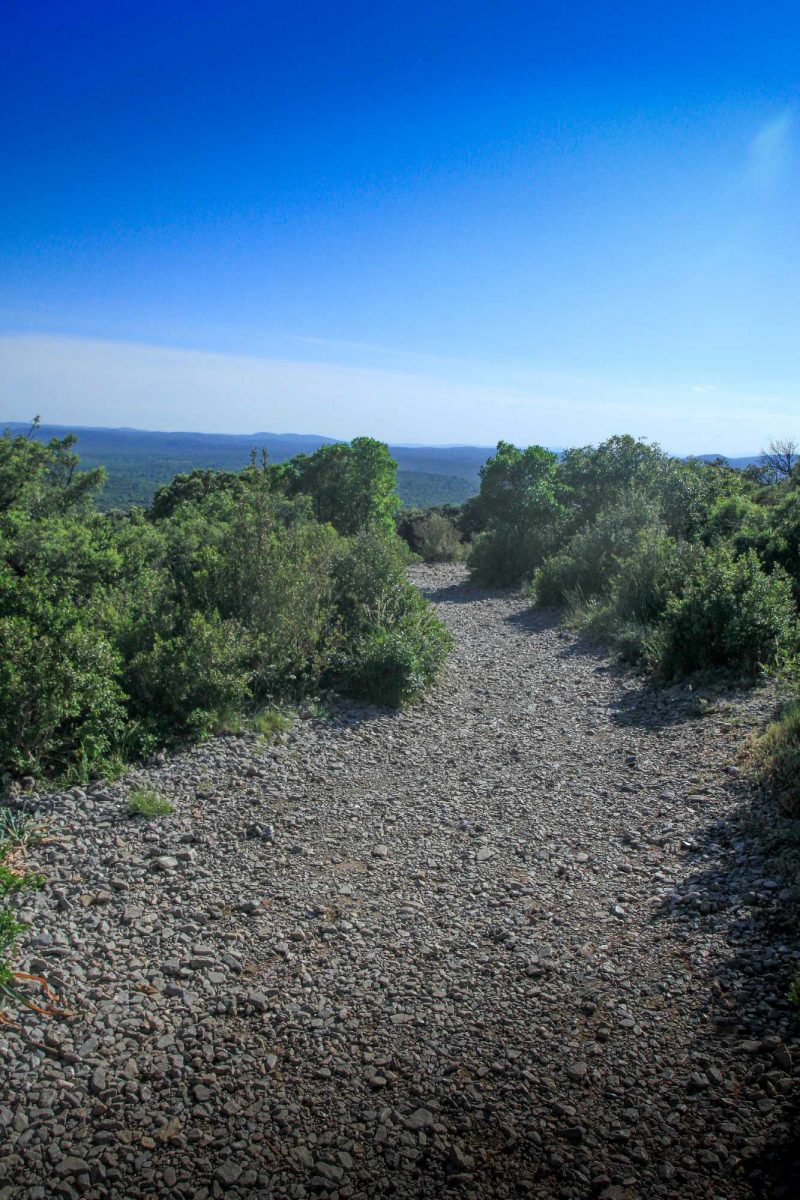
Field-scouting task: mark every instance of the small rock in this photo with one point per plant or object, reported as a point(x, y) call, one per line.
point(421, 1118)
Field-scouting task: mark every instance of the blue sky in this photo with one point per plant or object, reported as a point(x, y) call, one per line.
point(428, 222)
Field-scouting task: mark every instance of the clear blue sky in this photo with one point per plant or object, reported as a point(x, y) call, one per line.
point(428, 222)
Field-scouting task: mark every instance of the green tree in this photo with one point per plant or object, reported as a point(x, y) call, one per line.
point(352, 487)
point(590, 477)
point(520, 514)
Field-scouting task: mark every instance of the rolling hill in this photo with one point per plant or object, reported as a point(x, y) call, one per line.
point(140, 461)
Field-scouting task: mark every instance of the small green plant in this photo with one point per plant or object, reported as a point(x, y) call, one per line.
point(19, 829)
point(17, 832)
point(793, 995)
point(227, 722)
point(270, 722)
point(144, 802)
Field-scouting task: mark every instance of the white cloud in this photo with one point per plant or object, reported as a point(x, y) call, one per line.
point(82, 382)
point(772, 150)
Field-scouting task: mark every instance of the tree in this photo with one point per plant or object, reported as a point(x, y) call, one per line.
point(352, 487)
point(518, 509)
point(781, 458)
point(592, 477)
point(517, 487)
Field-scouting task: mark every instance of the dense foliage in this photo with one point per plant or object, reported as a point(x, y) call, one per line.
point(684, 566)
point(433, 533)
point(231, 591)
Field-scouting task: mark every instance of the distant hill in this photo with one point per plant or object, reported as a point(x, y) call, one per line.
point(140, 461)
point(739, 463)
point(422, 489)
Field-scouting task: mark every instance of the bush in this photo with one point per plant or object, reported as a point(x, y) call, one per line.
point(391, 644)
point(519, 513)
point(437, 539)
point(627, 615)
point(179, 682)
point(229, 595)
point(59, 699)
point(394, 664)
point(593, 557)
point(730, 614)
point(777, 755)
point(505, 558)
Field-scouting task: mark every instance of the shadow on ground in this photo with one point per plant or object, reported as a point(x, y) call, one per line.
point(733, 886)
point(460, 593)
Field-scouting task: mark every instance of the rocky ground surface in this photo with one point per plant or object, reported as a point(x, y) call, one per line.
point(514, 941)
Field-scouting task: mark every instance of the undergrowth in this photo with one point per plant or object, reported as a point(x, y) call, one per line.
point(17, 832)
point(777, 760)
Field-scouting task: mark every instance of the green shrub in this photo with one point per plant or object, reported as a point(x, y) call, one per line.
point(519, 512)
point(181, 680)
point(391, 645)
point(59, 700)
point(437, 539)
point(730, 614)
point(735, 519)
point(234, 593)
point(591, 478)
point(593, 557)
point(635, 640)
point(392, 664)
point(777, 760)
point(629, 615)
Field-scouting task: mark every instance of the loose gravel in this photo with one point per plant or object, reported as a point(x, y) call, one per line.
point(516, 940)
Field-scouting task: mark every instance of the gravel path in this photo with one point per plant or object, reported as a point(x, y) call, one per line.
point(514, 941)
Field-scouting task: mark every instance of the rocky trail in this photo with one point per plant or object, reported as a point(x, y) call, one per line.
point(514, 941)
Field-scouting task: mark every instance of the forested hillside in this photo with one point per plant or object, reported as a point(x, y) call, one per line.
point(138, 462)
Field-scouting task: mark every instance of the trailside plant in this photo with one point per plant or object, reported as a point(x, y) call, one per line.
point(17, 832)
point(145, 802)
point(793, 995)
point(229, 598)
point(730, 613)
point(271, 722)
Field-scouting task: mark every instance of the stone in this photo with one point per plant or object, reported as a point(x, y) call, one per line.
point(577, 1071)
point(421, 1118)
point(227, 1173)
point(165, 863)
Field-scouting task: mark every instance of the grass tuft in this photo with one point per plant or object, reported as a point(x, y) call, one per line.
point(271, 721)
point(144, 802)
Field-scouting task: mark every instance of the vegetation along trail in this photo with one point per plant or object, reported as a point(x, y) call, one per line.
point(514, 940)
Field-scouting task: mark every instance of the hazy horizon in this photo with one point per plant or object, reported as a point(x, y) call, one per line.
point(114, 385)
point(293, 434)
